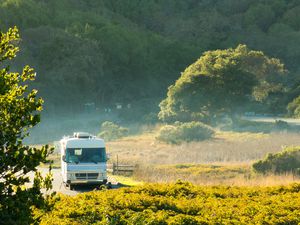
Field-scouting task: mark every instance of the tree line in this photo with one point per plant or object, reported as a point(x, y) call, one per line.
point(125, 51)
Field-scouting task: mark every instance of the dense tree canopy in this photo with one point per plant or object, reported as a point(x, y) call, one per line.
point(221, 81)
point(19, 109)
point(294, 107)
point(127, 50)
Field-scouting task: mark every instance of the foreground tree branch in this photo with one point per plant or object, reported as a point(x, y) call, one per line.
point(19, 111)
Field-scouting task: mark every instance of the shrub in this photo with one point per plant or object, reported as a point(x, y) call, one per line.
point(286, 161)
point(294, 107)
point(180, 132)
point(242, 125)
point(195, 131)
point(111, 131)
point(168, 134)
point(281, 125)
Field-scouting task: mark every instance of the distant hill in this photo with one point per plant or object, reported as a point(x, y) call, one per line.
point(130, 51)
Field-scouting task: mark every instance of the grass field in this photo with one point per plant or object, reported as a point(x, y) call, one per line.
point(225, 159)
point(225, 147)
point(212, 174)
point(162, 188)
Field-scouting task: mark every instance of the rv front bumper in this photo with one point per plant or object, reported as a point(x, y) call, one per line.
point(104, 181)
point(86, 178)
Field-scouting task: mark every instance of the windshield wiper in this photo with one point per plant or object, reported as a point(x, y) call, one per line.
point(95, 161)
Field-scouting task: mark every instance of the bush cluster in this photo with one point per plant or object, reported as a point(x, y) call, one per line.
point(242, 125)
point(111, 131)
point(184, 132)
point(179, 203)
point(287, 160)
point(281, 125)
point(294, 107)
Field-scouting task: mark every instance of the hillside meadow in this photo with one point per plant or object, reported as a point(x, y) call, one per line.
point(208, 182)
point(225, 159)
point(223, 147)
point(233, 174)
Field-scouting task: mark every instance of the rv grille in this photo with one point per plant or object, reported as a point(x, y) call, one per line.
point(86, 176)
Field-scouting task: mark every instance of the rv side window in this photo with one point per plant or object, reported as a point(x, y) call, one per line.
point(85, 155)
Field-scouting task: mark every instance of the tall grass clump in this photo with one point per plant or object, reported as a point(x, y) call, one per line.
point(287, 160)
point(111, 131)
point(184, 132)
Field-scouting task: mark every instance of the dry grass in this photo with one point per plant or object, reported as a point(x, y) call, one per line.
point(225, 147)
point(224, 160)
point(237, 175)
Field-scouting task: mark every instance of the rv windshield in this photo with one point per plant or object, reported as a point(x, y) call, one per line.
point(84, 155)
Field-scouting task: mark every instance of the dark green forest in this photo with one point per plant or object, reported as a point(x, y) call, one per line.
point(130, 51)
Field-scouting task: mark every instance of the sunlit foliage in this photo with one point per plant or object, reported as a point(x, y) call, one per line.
point(111, 131)
point(288, 160)
point(19, 111)
point(294, 107)
point(184, 132)
point(180, 203)
point(121, 51)
point(221, 82)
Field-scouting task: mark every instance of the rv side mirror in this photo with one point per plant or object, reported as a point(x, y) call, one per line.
point(64, 158)
point(107, 157)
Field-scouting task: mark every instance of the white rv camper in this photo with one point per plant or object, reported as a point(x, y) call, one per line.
point(83, 160)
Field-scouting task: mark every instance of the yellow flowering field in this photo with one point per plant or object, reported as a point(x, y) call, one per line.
point(178, 203)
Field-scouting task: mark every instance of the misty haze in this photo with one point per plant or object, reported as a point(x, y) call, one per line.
point(188, 110)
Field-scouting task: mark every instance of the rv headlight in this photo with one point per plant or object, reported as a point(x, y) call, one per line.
point(70, 175)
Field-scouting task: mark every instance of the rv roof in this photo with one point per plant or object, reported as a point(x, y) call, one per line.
point(82, 141)
point(82, 135)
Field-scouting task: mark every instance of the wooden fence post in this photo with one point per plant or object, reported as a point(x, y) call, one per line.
point(117, 164)
point(114, 168)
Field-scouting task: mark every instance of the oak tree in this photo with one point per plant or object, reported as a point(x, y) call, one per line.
point(221, 82)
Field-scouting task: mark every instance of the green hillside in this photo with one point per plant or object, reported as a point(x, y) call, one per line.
point(127, 50)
